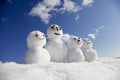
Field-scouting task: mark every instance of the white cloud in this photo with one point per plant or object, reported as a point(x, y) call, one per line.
point(97, 30)
point(44, 8)
point(92, 35)
point(70, 6)
point(51, 3)
point(87, 2)
point(77, 17)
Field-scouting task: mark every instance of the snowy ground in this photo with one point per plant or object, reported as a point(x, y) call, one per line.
point(103, 69)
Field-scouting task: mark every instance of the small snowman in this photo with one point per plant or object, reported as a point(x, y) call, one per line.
point(36, 53)
point(75, 54)
point(56, 46)
point(89, 53)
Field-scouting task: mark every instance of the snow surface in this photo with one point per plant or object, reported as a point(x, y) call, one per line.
point(103, 69)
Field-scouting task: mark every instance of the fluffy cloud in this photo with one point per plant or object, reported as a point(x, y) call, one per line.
point(92, 35)
point(70, 6)
point(44, 8)
point(87, 2)
point(97, 30)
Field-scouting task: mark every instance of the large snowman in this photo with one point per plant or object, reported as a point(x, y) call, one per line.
point(56, 47)
point(75, 53)
point(89, 53)
point(36, 53)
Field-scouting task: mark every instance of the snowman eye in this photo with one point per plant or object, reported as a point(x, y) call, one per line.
point(52, 27)
point(60, 28)
point(44, 35)
point(36, 35)
point(74, 38)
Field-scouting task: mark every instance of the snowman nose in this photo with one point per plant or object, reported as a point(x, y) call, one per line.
point(78, 40)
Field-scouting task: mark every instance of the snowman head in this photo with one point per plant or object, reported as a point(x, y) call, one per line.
point(36, 39)
point(74, 42)
point(54, 32)
point(86, 43)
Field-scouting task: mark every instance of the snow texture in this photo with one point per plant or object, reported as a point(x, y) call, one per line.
point(103, 69)
point(36, 53)
point(55, 45)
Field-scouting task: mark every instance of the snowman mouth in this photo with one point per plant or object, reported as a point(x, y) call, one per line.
point(56, 33)
point(88, 42)
point(79, 42)
point(40, 38)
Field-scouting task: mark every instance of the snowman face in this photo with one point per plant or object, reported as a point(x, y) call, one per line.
point(87, 43)
point(36, 39)
point(54, 32)
point(75, 42)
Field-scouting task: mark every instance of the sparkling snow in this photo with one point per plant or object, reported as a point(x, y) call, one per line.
point(102, 69)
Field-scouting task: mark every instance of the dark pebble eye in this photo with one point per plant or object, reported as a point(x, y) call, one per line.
point(44, 35)
point(60, 28)
point(74, 38)
point(52, 27)
point(78, 40)
point(36, 35)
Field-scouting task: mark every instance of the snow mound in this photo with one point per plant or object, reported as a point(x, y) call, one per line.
point(103, 69)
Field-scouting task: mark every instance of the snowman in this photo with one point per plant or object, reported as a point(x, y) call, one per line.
point(56, 46)
point(36, 53)
point(75, 54)
point(89, 53)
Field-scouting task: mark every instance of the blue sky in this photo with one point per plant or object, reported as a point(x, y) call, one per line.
point(98, 18)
